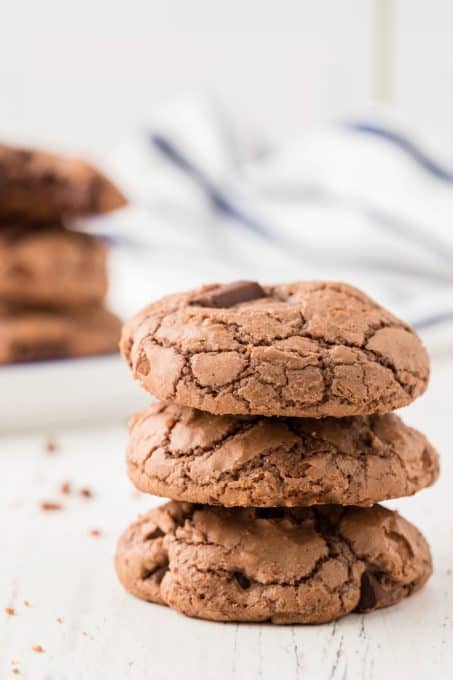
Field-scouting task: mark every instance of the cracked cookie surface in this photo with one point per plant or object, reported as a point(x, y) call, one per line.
point(34, 335)
point(51, 266)
point(304, 565)
point(188, 455)
point(308, 349)
point(39, 186)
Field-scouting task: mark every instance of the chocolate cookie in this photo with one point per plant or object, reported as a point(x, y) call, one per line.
point(304, 349)
point(52, 267)
point(184, 454)
point(31, 335)
point(306, 565)
point(39, 186)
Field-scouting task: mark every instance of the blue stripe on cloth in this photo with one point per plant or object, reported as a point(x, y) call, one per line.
point(409, 231)
point(406, 145)
point(434, 320)
point(218, 199)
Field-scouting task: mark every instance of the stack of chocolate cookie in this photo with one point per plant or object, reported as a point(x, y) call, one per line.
point(275, 440)
point(53, 280)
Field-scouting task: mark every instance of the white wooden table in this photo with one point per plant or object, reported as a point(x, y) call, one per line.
point(90, 628)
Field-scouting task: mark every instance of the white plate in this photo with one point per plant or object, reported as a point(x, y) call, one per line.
point(52, 393)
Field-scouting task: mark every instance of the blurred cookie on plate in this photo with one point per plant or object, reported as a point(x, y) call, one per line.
point(34, 334)
point(51, 266)
point(38, 186)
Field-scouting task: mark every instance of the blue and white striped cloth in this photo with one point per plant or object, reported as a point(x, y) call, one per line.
point(357, 201)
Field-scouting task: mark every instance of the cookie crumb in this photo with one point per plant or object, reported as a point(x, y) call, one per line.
point(84, 633)
point(65, 488)
point(15, 670)
point(51, 445)
point(86, 493)
point(26, 603)
point(95, 532)
point(59, 619)
point(51, 506)
point(39, 649)
point(10, 611)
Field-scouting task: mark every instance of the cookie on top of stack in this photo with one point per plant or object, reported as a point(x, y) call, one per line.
point(53, 280)
point(275, 439)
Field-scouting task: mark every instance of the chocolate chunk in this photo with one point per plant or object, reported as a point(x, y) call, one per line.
point(230, 294)
point(372, 595)
point(242, 579)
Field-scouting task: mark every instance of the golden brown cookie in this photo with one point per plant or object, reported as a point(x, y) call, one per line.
point(32, 335)
point(306, 565)
point(181, 453)
point(306, 349)
point(51, 267)
point(39, 186)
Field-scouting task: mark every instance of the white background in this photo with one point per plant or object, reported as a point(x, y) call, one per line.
point(81, 75)
point(50, 560)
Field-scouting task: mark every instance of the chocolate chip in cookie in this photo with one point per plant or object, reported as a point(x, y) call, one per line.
point(372, 594)
point(230, 295)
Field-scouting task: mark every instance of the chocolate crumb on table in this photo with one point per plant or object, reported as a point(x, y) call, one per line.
point(15, 670)
point(95, 532)
point(65, 488)
point(50, 506)
point(10, 611)
point(51, 445)
point(86, 493)
point(26, 603)
point(39, 649)
point(59, 619)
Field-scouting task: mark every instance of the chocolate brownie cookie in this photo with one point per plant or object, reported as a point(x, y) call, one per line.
point(31, 335)
point(184, 454)
point(39, 186)
point(306, 565)
point(52, 267)
point(303, 349)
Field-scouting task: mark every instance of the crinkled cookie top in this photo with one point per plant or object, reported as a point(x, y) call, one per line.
point(308, 349)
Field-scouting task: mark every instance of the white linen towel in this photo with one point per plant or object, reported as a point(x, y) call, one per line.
point(356, 201)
